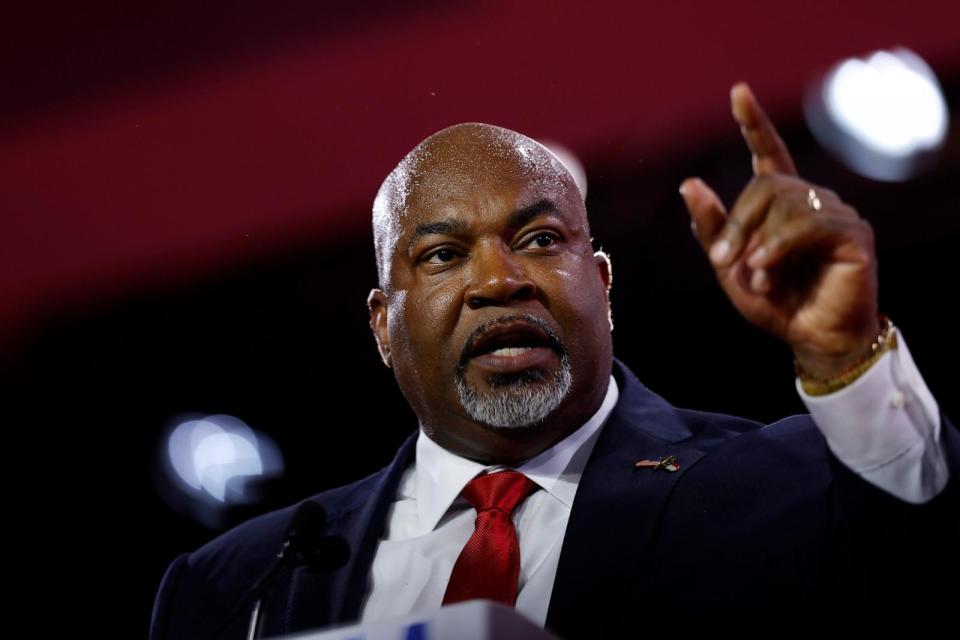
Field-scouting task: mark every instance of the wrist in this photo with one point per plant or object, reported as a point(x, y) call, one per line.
point(822, 375)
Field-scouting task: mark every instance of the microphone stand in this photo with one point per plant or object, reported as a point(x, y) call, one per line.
point(303, 545)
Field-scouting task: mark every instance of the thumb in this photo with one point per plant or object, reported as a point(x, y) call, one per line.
point(707, 213)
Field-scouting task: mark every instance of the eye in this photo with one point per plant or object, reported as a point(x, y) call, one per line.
point(541, 240)
point(440, 256)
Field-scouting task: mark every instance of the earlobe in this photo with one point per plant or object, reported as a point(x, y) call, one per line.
point(377, 304)
point(606, 274)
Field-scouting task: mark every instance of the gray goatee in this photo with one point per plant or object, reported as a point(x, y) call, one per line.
point(519, 400)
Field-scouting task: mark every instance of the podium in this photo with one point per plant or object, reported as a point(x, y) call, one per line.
point(474, 620)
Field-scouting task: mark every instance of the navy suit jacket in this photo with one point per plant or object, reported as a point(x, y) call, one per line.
point(760, 531)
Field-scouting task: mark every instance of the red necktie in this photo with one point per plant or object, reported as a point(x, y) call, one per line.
point(489, 565)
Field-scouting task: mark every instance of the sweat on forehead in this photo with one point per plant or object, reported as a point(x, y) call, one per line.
point(459, 157)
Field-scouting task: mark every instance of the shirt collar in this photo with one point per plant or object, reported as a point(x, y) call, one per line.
point(440, 475)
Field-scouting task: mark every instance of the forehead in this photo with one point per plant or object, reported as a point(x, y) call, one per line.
point(473, 163)
point(483, 189)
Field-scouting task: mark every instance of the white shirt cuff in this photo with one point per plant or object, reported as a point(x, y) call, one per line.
point(885, 427)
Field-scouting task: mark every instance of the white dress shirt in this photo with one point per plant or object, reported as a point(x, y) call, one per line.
point(885, 426)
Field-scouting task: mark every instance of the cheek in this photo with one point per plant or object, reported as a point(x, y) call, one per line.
point(433, 310)
point(424, 323)
point(578, 284)
point(442, 303)
point(578, 300)
point(396, 321)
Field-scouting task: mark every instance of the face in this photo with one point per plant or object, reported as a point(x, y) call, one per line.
point(494, 312)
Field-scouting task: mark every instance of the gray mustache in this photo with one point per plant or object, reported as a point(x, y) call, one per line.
point(553, 340)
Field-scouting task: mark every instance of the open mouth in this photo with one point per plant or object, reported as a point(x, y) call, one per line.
point(511, 344)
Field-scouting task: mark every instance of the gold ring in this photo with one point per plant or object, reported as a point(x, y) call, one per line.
point(813, 201)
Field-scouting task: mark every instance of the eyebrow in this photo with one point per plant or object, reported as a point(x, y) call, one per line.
point(448, 226)
point(516, 218)
point(524, 215)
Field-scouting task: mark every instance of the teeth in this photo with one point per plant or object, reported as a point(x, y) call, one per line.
point(510, 351)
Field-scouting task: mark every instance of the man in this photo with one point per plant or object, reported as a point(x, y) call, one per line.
point(634, 517)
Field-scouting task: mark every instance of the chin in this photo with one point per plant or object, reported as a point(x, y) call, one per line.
point(516, 400)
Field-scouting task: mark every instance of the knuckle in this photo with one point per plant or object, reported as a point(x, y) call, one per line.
point(802, 226)
point(765, 182)
point(774, 245)
point(733, 230)
point(828, 194)
point(864, 254)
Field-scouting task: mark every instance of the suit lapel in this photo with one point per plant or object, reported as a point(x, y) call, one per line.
point(317, 601)
point(616, 509)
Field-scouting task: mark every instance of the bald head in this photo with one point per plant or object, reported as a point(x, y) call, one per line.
point(462, 161)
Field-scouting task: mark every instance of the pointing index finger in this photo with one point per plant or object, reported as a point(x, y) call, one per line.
point(770, 154)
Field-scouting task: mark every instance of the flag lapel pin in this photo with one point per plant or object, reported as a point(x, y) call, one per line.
point(668, 463)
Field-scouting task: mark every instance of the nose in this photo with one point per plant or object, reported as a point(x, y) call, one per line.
point(498, 278)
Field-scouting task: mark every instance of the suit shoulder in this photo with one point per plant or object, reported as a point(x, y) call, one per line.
point(791, 450)
point(220, 572)
point(261, 536)
point(708, 428)
point(704, 430)
point(242, 553)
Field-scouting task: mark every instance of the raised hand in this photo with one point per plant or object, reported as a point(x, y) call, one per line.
point(792, 257)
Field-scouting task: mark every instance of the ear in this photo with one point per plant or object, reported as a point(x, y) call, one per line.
point(377, 303)
point(605, 267)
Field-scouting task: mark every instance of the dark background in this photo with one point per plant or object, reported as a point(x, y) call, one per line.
point(186, 194)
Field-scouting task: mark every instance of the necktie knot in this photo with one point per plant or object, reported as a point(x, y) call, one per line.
point(502, 491)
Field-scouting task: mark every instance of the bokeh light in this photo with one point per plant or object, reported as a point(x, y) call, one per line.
point(215, 462)
point(884, 116)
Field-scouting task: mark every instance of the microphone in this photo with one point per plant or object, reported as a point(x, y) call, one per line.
point(305, 546)
point(302, 546)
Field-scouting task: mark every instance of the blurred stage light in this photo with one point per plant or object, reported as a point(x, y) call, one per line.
point(216, 462)
point(220, 457)
point(884, 116)
point(571, 162)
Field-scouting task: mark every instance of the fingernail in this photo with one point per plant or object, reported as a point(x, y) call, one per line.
point(719, 251)
point(758, 281)
point(757, 257)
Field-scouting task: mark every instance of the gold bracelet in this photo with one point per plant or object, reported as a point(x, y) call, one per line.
point(885, 341)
